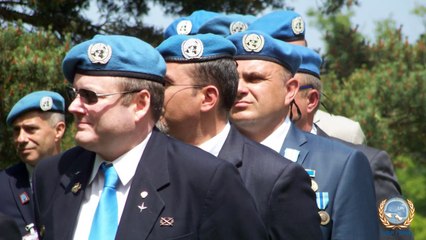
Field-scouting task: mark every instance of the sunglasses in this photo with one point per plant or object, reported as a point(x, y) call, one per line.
point(91, 97)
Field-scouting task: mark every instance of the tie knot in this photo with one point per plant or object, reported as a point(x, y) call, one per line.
point(111, 176)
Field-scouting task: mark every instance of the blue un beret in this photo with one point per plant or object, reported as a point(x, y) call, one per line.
point(189, 25)
point(114, 55)
point(226, 25)
point(283, 24)
point(196, 48)
point(311, 61)
point(37, 101)
point(261, 46)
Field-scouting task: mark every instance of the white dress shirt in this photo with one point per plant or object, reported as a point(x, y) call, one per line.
point(125, 166)
point(276, 139)
point(215, 144)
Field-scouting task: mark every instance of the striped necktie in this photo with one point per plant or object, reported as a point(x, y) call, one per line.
point(105, 221)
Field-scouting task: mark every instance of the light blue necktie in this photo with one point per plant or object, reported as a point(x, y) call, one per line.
point(105, 221)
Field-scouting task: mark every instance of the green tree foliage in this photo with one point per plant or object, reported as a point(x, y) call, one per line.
point(383, 86)
point(115, 17)
point(28, 62)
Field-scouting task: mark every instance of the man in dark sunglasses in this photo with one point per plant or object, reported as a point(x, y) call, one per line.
point(125, 179)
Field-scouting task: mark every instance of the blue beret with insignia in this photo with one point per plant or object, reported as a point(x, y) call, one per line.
point(45, 101)
point(196, 48)
point(311, 61)
point(189, 25)
point(256, 45)
point(282, 24)
point(116, 56)
point(226, 25)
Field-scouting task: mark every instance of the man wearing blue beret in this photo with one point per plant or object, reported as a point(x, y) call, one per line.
point(201, 86)
point(290, 27)
point(344, 187)
point(38, 125)
point(280, 24)
point(308, 100)
point(125, 179)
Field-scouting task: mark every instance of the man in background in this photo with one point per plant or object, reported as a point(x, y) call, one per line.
point(38, 125)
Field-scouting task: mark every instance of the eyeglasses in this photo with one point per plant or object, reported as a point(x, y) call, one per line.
point(90, 97)
point(169, 84)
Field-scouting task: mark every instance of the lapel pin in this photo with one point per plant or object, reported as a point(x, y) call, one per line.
point(166, 222)
point(24, 198)
point(144, 194)
point(142, 207)
point(76, 188)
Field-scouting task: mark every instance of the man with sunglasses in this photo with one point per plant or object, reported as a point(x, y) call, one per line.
point(125, 179)
point(38, 124)
point(201, 86)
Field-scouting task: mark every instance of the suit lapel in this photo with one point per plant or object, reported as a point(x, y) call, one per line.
point(70, 197)
point(22, 193)
point(294, 140)
point(320, 132)
point(144, 203)
point(233, 148)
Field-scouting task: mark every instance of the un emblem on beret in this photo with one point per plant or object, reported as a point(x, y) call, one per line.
point(253, 42)
point(184, 27)
point(99, 53)
point(297, 25)
point(396, 213)
point(46, 103)
point(238, 26)
point(192, 48)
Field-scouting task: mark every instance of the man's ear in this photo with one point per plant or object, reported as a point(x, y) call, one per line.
point(313, 100)
point(142, 102)
point(292, 87)
point(210, 98)
point(59, 131)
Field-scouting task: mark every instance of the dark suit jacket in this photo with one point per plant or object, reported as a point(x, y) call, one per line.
point(14, 183)
point(281, 188)
point(8, 228)
point(346, 175)
point(385, 181)
point(204, 195)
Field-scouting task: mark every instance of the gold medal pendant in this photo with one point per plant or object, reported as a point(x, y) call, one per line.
point(325, 218)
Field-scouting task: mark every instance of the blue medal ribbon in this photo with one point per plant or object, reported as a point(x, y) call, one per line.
point(310, 172)
point(322, 200)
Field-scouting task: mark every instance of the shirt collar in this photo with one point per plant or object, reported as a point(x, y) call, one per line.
point(125, 165)
point(276, 138)
point(215, 144)
point(314, 130)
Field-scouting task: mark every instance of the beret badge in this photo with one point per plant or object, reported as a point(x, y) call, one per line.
point(192, 48)
point(237, 26)
point(297, 25)
point(253, 42)
point(46, 103)
point(99, 53)
point(184, 27)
